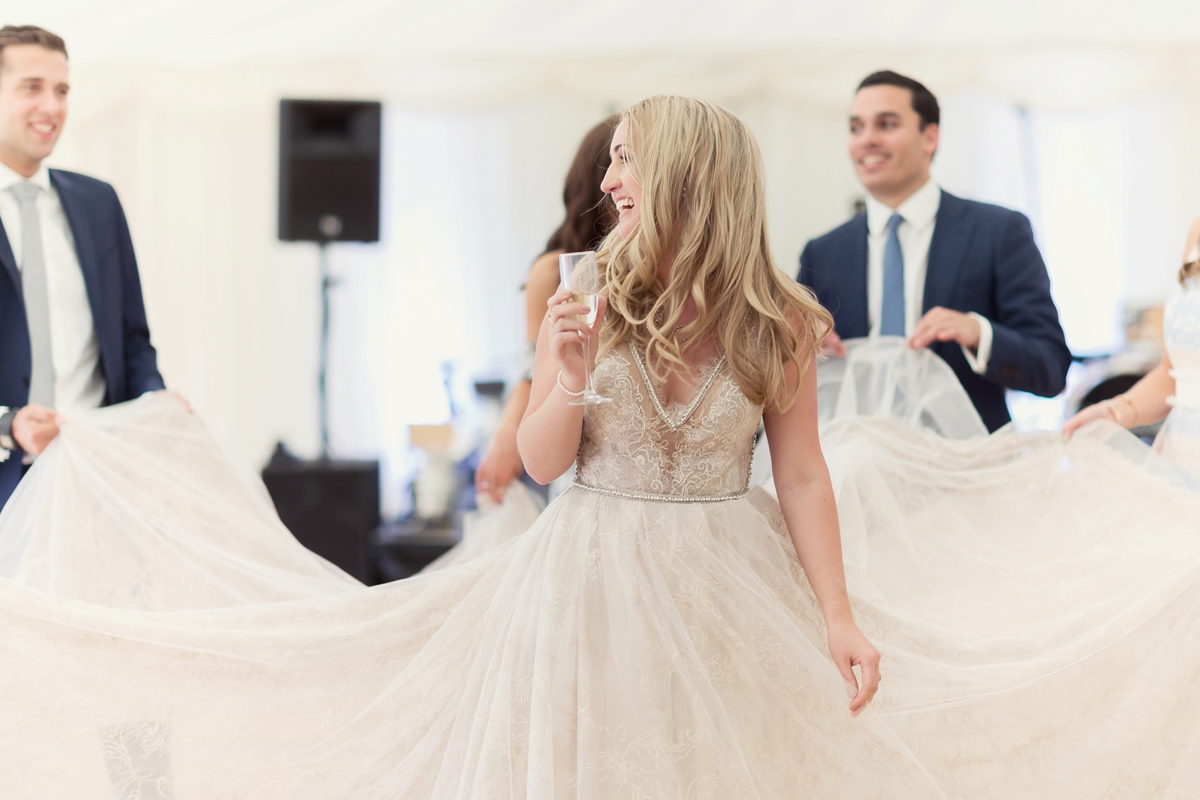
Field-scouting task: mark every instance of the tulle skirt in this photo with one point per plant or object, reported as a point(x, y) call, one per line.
point(1037, 605)
point(1178, 443)
point(616, 649)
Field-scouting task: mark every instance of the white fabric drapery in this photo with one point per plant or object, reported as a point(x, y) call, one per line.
point(1036, 603)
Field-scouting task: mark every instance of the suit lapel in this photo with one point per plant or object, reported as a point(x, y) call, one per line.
point(9, 261)
point(951, 234)
point(855, 315)
point(85, 245)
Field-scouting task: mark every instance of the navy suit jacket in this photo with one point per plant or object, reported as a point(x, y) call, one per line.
point(114, 291)
point(982, 258)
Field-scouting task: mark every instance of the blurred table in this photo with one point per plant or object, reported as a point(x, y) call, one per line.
point(405, 547)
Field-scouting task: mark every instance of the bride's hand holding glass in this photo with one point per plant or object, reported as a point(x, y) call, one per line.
point(568, 327)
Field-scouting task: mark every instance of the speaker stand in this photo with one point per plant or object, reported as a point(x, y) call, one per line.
point(327, 283)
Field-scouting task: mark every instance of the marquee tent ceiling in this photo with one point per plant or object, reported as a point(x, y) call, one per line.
point(205, 30)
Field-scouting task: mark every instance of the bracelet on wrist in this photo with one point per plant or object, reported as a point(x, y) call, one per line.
point(1117, 416)
point(1133, 409)
point(569, 393)
point(1112, 412)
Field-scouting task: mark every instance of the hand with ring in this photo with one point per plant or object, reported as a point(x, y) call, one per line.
point(568, 327)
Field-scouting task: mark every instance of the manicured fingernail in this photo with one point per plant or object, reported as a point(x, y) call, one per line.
point(851, 690)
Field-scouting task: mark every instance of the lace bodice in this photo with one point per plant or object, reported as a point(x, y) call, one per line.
point(637, 447)
point(1181, 335)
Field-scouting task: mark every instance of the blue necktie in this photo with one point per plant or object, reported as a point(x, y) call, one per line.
point(891, 321)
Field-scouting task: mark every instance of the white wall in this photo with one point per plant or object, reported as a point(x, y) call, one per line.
point(1110, 192)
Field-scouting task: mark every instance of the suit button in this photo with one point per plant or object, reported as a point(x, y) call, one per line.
point(25, 380)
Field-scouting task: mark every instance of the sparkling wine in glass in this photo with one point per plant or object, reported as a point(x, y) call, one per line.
point(579, 273)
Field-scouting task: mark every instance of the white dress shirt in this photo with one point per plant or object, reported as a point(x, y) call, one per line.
point(79, 381)
point(915, 233)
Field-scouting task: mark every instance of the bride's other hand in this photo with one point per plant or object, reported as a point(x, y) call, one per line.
point(850, 648)
point(809, 507)
point(1090, 414)
point(567, 332)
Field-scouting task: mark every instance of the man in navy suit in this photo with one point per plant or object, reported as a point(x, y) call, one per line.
point(963, 278)
point(73, 331)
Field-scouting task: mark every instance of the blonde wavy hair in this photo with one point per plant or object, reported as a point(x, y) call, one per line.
point(704, 205)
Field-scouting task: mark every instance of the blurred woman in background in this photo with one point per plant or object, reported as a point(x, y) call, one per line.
point(589, 218)
point(1172, 389)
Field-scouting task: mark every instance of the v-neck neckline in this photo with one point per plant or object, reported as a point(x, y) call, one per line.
point(675, 422)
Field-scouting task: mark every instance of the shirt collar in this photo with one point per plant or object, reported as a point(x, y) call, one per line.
point(40, 178)
point(919, 210)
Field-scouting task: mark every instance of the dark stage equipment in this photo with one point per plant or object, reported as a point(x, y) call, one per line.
point(329, 171)
point(331, 507)
point(328, 192)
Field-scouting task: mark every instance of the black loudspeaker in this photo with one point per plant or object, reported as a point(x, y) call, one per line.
point(329, 171)
point(331, 507)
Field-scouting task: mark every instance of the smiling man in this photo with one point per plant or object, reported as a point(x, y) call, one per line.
point(962, 278)
point(73, 331)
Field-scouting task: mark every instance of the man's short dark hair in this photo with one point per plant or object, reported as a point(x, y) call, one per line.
point(30, 34)
point(923, 101)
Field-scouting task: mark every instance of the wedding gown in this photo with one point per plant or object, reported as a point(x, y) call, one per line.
point(651, 636)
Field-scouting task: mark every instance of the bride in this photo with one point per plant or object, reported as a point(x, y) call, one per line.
point(660, 631)
point(706, 335)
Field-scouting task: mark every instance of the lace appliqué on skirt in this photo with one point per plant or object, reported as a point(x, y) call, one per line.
point(137, 756)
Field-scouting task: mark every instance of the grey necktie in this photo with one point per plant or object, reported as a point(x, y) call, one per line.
point(891, 322)
point(37, 296)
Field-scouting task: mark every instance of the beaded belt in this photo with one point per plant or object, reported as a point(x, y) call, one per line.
point(664, 498)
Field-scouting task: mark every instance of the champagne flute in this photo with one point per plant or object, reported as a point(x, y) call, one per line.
point(580, 274)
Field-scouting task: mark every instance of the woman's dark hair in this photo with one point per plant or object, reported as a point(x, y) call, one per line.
point(1188, 271)
point(589, 217)
point(923, 101)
